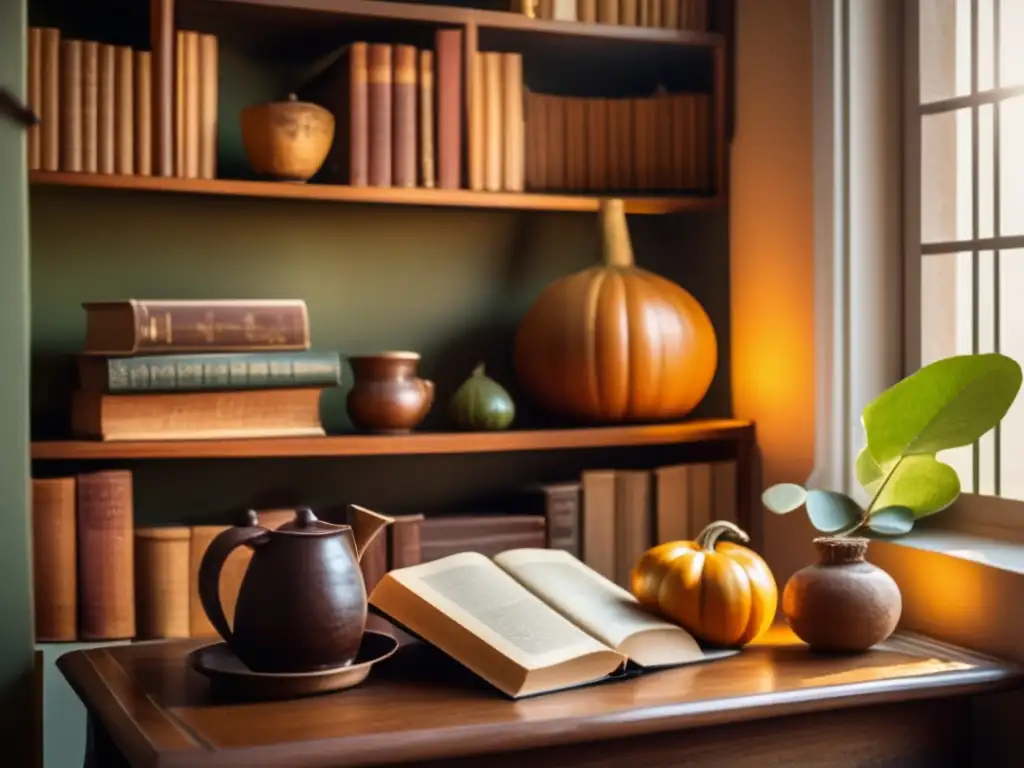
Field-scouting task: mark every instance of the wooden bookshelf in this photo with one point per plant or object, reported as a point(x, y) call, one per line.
point(442, 198)
point(394, 445)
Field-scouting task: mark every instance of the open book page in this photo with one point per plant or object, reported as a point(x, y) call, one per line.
point(599, 606)
point(478, 614)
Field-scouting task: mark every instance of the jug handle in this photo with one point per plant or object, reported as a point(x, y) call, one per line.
point(212, 563)
point(427, 388)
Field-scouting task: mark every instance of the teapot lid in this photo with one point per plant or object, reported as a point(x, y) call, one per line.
point(306, 523)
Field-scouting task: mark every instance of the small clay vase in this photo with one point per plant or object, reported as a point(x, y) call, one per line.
point(387, 395)
point(843, 602)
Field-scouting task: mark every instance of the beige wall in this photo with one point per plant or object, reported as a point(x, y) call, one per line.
point(772, 269)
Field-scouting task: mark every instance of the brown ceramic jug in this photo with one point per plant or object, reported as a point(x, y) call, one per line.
point(302, 603)
point(387, 395)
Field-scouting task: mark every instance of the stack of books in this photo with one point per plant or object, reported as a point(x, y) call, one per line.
point(200, 370)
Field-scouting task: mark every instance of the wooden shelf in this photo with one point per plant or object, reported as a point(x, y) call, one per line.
point(217, 14)
point(445, 198)
point(394, 445)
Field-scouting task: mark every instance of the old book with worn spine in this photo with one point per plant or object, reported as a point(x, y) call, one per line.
point(106, 131)
point(162, 41)
point(381, 129)
point(164, 326)
point(106, 547)
point(71, 105)
point(209, 65)
point(143, 113)
point(486, 534)
point(404, 103)
point(197, 373)
point(476, 155)
point(633, 522)
point(91, 107)
point(448, 54)
point(54, 559)
point(124, 111)
point(49, 113)
point(404, 541)
point(425, 103)
point(512, 118)
point(197, 415)
point(598, 521)
point(339, 84)
point(161, 582)
point(494, 126)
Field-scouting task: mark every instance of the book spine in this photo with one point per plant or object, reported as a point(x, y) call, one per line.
point(192, 119)
point(405, 542)
point(493, 124)
point(162, 582)
point(670, 14)
point(608, 11)
point(106, 556)
point(162, 42)
point(193, 373)
point(555, 171)
point(672, 504)
point(380, 111)
point(448, 53)
point(586, 10)
point(477, 123)
point(54, 559)
point(576, 142)
point(628, 13)
point(208, 95)
point(359, 116)
point(143, 113)
point(512, 117)
point(179, 104)
point(599, 521)
point(426, 114)
point(597, 144)
point(71, 105)
point(124, 119)
point(106, 132)
point(90, 107)
point(632, 521)
point(49, 113)
point(35, 95)
point(562, 512)
point(404, 129)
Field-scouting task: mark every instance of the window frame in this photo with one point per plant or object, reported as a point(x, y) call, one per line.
point(989, 516)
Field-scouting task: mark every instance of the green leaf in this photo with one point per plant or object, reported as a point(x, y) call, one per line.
point(784, 498)
point(868, 473)
point(923, 484)
point(832, 512)
point(891, 521)
point(946, 404)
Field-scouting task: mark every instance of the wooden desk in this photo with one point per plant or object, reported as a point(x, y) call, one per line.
point(774, 704)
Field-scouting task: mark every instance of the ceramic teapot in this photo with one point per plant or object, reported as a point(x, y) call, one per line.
point(302, 603)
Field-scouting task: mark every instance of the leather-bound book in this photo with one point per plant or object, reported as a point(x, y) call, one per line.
point(162, 41)
point(448, 54)
point(537, 140)
point(575, 143)
point(209, 65)
point(71, 105)
point(425, 104)
point(107, 106)
point(597, 144)
point(608, 11)
point(35, 94)
point(381, 74)
point(512, 116)
point(403, 96)
point(555, 156)
point(477, 122)
point(54, 563)
point(405, 541)
point(49, 112)
point(139, 325)
point(179, 104)
point(143, 113)
point(486, 534)
point(629, 14)
point(645, 144)
point(559, 504)
point(670, 14)
point(633, 524)
point(91, 107)
point(192, 104)
point(162, 582)
point(494, 126)
point(598, 519)
point(586, 10)
point(339, 83)
point(124, 111)
point(106, 569)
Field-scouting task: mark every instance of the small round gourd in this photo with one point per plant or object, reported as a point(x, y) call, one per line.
point(616, 343)
point(481, 403)
point(721, 592)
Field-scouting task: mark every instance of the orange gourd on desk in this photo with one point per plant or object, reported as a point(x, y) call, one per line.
point(616, 342)
point(722, 592)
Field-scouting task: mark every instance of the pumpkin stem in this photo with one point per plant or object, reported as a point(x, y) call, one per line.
point(479, 370)
point(709, 537)
point(618, 252)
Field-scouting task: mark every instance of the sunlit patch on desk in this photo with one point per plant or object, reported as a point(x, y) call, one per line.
point(886, 672)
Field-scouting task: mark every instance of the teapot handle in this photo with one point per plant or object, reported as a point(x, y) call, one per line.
point(212, 563)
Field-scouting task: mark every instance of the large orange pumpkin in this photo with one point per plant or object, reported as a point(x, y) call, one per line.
point(722, 592)
point(616, 342)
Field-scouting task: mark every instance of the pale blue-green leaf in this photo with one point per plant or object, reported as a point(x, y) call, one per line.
point(923, 484)
point(784, 498)
point(891, 521)
point(832, 512)
point(946, 404)
point(868, 473)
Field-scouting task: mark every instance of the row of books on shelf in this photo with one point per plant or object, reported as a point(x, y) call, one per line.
point(192, 370)
point(664, 14)
point(98, 577)
point(97, 106)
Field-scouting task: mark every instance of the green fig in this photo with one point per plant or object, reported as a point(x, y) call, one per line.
point(481, 403)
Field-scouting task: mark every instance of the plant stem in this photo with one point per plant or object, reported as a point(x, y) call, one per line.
point(867, 510)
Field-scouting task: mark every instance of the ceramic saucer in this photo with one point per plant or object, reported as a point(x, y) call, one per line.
point(229, 676)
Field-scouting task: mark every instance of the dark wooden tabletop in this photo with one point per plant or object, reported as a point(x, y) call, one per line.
point(421, 705)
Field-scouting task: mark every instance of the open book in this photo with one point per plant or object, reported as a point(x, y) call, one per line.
point(531, 620)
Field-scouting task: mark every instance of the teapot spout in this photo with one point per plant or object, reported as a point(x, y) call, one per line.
point(366, 525)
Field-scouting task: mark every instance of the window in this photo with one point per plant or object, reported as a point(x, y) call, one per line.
point(964, 198)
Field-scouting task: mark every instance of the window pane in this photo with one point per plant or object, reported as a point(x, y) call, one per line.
point(986, 44)
point(947, 329)
point(945, 44)
point(946, 176)
point(1011, 165)
point(1011, 32)
point(1011, 338)
point(986, 171)
point(986, 297)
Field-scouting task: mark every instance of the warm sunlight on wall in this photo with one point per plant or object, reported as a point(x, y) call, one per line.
point(772, 271)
